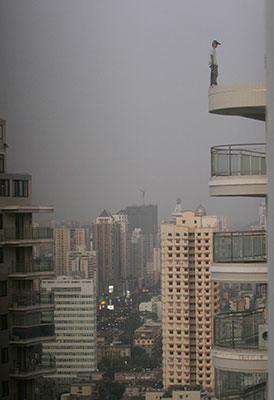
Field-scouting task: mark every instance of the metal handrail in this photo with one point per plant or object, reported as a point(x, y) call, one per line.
point(236, 167)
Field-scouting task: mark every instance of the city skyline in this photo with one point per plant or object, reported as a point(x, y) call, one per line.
point(102, 104)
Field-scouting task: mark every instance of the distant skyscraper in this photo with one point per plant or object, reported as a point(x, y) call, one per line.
point(136, 254)
point(75, 326)
point(189, 299)
point(177, 210)
point(82, 263)
point(145, 217)
point(67, 239)
point(106, 242)
point(122, 219)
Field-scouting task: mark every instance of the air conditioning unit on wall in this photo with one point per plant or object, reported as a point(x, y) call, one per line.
point(263, 336)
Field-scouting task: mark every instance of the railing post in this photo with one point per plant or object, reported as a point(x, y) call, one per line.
point(229, 160)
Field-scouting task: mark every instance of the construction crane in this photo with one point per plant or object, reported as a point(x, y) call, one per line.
point(143, 196)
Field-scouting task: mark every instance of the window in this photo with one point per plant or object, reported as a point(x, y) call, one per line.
point(2, 165)
point(4, 355)
point(3, 288)
point(20, 188)
point(3, 322)
point(5, 388)
point(4, 188)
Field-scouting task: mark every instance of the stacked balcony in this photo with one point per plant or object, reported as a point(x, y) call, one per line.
point(238, 170)
point(239, 257)
point(240, 337)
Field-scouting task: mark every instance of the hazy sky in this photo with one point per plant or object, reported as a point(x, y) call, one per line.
point(105, 97)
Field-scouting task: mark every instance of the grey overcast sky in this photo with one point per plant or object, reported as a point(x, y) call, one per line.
point(105, 97)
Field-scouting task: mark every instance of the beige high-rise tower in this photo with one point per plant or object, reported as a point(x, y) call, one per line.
point(189, 299)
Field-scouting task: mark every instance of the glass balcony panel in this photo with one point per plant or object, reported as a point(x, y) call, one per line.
point(238, 247)
point(25, 299)
point(240, 385)
point(234, 164)
point(245, 164)
point(238, 330)
point(233, 160)
point(21, 333)
point(32, 266)
point(256, 165)
point(27, 233)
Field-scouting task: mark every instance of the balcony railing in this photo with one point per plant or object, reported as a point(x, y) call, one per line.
point(26, 299)
point(31, 267)
point(26, 234)
point(235, 247)
point(33, 332)
point(238, 159)
point(35, 365)
point(240, 385)
point(239, 330)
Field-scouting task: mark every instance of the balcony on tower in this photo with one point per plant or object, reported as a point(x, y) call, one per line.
point(238, 170)
point(245, 99)
point(240, 341)
point(32, 328)
point(27, 236)
point(31, 300)
point(29, 368)
point(43, 269)
point(239, 257)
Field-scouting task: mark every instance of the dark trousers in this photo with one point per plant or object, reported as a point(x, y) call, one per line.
point(213, 74)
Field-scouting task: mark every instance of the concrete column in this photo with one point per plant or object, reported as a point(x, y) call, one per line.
point(270, 172)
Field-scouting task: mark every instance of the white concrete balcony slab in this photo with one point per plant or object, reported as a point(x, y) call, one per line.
point(253, 360)
point(238, 170)
point(245, 99)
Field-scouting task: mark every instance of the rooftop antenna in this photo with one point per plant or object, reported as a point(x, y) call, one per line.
point(143, 196)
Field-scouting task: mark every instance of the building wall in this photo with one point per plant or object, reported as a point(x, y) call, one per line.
point(189, 300)
point(75, 326)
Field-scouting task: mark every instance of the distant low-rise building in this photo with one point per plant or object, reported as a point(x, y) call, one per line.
point(147, 336)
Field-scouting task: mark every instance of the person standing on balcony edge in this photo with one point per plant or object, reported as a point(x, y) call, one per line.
point(213, 63)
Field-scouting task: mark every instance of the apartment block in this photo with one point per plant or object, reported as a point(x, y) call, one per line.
point(26, 310)
point(75, 325)
point(189, 299)
point(240, 345)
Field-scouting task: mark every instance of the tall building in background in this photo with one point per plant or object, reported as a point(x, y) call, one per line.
point(75, 327)
point(82, 263)
point(144, 217)
point(26, 311)
point(122, 219)
point(67, 239)
point(240, 260)
point(106, 242)
point(189, 299)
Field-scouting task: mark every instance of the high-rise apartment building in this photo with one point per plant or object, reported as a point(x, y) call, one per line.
point(144, 217)
point(67, 239)
point(106, 242)
point(241, 335)
point(75, 326)
point(82, 263)
point(26, 311)
point(189, 299)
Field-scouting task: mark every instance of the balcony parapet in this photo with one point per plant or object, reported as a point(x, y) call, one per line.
point(32, 334)
point(21, 270)
point(27, 300)
point(241, 330)
point(239, 257)
point(13, 236)
point(238, 170)
point(34, 368)
point(239, 247)
point(245, 99)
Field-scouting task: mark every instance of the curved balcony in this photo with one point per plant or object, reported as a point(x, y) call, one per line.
point(238, 170)
point(239, 257)
point(240, 341)
point(26, 236)
point(30, 270)
point(240, 385)
point(245, 99)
